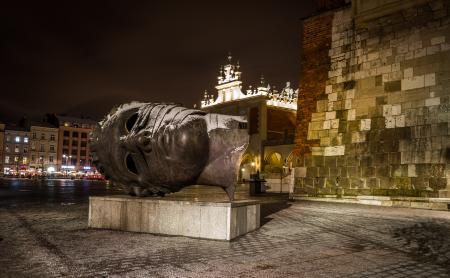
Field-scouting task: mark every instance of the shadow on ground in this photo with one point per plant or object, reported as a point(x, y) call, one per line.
point(269, 208)
point(427, 241)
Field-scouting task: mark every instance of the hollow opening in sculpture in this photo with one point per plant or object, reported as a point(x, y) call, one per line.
point(131, 122)
point(131, 165)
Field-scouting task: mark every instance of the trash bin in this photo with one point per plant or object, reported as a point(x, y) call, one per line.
point(257, 185)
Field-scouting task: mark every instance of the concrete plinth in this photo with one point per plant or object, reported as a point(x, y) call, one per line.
point(210, 220)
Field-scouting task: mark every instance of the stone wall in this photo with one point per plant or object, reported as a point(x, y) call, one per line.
point(315, 66)
point(380, 125)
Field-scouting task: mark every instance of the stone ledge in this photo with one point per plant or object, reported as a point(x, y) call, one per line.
point(404, 202)
point(198, 219)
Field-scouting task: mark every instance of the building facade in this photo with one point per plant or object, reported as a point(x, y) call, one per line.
point(270, 114)
point(43, 146)
point(374, 100)
point(73, 153)
point(15, 150)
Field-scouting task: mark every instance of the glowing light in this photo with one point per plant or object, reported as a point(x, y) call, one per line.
point(51, 169)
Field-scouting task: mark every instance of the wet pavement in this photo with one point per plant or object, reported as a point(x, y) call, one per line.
point(16, 192)
point(46, 235)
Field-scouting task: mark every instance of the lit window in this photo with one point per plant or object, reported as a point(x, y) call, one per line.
point(6, 159)
point(16, 159)
point(24, 160)
point(8, 138)
point(25, 139)
point(7, 148)
point(17, 139)
point(16, 149)
point(33, 147)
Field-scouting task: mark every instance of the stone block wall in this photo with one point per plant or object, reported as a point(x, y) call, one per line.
point(379, 122)
point(315, 65)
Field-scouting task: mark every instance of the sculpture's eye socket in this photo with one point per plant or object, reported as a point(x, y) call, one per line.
point(131, 165)
point(129, 124)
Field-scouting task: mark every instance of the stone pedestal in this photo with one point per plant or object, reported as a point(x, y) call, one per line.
point(200, 219)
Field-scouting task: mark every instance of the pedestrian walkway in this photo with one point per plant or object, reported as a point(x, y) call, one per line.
point(301, 239)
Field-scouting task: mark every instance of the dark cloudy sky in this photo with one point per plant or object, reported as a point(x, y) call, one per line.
point(81, 58)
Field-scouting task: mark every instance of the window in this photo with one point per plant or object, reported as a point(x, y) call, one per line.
point(66, 133)
point(83, 144)
point(83, 135)
point(33, 158)
point(33, 147)
point(74, 152)
point(42, 149)
point(52, 137)
point(50, 158)
point(25, 150)
point(34, 135)
point(42, 136)
point(6, 159)
point(82, 153)
point(75, 134)
point(16, 159)
point(8, 138)
point(16, 149)
point(52, 148)
point(7, 148)
point(74, 143)
point(17, 139)
point(25, 139)
point(25, 160)
point(66, 142)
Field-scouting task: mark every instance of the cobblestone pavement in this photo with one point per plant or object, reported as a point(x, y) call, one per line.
point(306, 239)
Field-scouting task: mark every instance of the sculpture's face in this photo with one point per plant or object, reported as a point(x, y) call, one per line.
point(155, 146)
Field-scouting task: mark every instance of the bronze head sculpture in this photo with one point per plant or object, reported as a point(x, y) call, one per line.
point(158, 148)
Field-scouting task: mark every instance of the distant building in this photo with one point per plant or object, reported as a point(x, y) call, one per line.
point(73, 144)
point(2, 138)
point(43, 147)
point(271, 116)
point(15, 150)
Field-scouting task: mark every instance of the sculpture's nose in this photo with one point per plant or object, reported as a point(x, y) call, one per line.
point(135, 142)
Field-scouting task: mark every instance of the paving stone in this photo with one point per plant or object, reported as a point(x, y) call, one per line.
point(303, 239)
